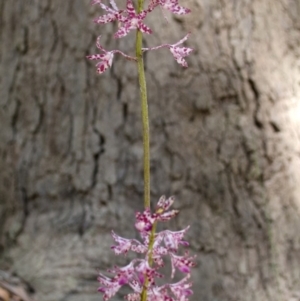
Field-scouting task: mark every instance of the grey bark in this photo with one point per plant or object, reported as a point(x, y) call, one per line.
point(224, 141)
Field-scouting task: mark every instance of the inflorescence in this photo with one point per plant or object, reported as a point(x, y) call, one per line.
point(128, 20)
point(140, 273)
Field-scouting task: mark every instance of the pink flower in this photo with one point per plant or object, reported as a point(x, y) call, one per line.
point(181, 289)
point(183, 263)
point(105, 60)
point(178, 52)
point(113, 13)
point(126, 244)
point(106, 57)
point(164, 204)
point(166, 216)
point(154, 293)
point(137, 290)
point(159, 250)
point(172, 239)
point(109, 287)
point(144, 221)
point(143, 269)
point(132, 21)
point(173, 6)
point(124, 274)
point(159, 294)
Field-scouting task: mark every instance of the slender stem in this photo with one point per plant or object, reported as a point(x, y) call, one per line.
point(146, 139)
point(150, 260)
point(145, 118)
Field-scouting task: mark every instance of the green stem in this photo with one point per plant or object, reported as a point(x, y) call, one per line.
point(146, 140)
point(150, 260)
point(145, 118)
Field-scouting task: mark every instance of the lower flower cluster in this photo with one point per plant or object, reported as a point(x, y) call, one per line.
point(140, 273)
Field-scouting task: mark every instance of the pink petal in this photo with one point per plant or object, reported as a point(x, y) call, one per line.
point(167, 215)
point(96, 56)
point(183, 263)
point(133, 297)
point(106, 18)
point(164, 204)
point(96, 2)
point(113, 4)
point(139, 248)
point(179, 54)
point(181, 289)
point(135, 285)
point(102, 66)
point(144, 269)
point(157, 249)
point(179, 10)
point(130, 9)
point(144, 221)
point(172, 239)
point(159, 294)
point(124, 244)
point(111, 291)
point(123, 274)
point(109, 288)
point(142, 15)
point(183, 51)
point(159, 261)
point(144, 28)
point(182, 62)
point(172, 5)
point(122, 32)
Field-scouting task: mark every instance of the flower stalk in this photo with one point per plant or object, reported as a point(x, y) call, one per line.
point(145, 114)
point(150, 260)
point(140, 274)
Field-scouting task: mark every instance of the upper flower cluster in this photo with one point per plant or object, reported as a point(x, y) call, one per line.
point(129, 19)
point(139, 274)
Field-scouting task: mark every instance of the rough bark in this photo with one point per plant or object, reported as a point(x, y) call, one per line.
point(225, 142)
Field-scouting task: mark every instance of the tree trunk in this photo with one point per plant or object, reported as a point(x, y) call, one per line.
point(224, 141)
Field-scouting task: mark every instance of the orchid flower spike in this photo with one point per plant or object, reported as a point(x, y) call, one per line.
point(140, 273)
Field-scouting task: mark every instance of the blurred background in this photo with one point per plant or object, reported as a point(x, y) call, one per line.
point(224, 141)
